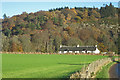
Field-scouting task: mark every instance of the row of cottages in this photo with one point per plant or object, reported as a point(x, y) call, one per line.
point(79, 49)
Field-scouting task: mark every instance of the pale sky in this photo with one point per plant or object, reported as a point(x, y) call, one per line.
point(60, 0)
point(15, 7)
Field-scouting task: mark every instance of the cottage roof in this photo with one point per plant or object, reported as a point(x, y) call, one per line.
point(88, 48)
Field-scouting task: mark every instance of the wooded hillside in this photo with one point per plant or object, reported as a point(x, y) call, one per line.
point(44, 31)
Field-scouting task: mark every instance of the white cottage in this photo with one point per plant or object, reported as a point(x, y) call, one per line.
point(79, 49)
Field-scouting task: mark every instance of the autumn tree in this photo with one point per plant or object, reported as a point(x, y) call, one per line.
point(94, 15)
point(84, 34)
point(5, 43)
point(15, 44)
point(102, 47)
point(49, 25)
point(60, 21)
point(73, 41)
point(7, 32)
point(55, 20)
point(85, 14)
point(40, 41)
point(57, 43)
point(26, 43)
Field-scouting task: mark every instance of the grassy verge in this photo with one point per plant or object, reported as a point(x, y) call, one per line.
point(104, 72)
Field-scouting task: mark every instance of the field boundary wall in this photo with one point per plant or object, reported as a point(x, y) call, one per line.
point(91, 69)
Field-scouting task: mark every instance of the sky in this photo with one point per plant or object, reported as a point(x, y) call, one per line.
point(60, 0)
point(14, 8)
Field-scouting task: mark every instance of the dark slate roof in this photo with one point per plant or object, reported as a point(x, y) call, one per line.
point(77, 48)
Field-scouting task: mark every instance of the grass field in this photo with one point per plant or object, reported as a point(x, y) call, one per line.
point(105, 70)
point(43, 66)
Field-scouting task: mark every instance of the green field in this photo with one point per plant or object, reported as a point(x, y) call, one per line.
point(105, 70)
point(43, 66)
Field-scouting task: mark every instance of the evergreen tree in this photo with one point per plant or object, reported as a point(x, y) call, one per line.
point(5, 16)
point(107, 11)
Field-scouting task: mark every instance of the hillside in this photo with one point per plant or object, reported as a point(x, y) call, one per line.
point(44, 31)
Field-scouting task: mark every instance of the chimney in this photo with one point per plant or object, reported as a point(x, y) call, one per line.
point(60, 46)
point(96, 46)
point(78, 45)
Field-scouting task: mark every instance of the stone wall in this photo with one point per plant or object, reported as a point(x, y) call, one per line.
point(91, 69)
point(54, 53)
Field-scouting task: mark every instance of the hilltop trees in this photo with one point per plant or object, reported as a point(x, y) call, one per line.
point(107, 11)
point(4, 16)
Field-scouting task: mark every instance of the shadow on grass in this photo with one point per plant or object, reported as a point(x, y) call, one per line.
point(74, 64)
point(116, 61)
